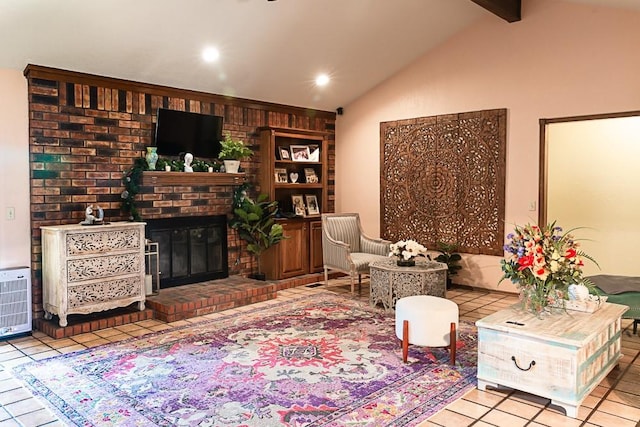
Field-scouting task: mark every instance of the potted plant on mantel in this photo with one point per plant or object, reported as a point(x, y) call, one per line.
point(254, 221)
point(231, 152)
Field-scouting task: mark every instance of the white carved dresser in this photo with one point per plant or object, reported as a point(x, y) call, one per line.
point(86, 269)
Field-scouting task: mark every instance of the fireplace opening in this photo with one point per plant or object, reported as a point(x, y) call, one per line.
point(191, 249)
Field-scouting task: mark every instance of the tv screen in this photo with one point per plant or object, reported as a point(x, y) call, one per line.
point(179, 132)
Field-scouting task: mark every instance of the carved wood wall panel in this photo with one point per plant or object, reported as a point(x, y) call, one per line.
point(442, 178)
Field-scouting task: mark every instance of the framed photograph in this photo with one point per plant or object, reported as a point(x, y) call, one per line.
point(280, 175)
point(299, 153)
point(310, 176)
point(298, 204)
point(284, 154)
point(312, 204)
point(314, 153)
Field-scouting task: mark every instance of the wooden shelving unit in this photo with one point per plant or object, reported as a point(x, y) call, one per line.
point(301, 252)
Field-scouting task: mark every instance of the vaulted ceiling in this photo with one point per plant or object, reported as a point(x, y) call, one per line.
point(269, 50)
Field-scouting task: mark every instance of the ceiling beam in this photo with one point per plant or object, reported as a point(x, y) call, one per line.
point(509, 10)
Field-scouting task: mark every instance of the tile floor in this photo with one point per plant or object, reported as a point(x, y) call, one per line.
point(615, 402)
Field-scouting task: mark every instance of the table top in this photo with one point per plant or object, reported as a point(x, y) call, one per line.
point(422, 265)
point(564, 326)
point(97, 227)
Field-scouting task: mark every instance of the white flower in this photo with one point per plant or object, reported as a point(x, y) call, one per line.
point(407, 249)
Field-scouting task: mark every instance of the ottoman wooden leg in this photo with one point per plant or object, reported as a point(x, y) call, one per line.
point(405, 340)
point(452, 344)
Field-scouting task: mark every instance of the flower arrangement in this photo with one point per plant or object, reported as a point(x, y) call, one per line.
point(543, 262)
point(406, 251)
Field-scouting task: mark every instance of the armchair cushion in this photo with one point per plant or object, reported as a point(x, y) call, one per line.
point(361, 260)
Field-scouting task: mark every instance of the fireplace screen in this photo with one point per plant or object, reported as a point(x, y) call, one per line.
point(192, 249)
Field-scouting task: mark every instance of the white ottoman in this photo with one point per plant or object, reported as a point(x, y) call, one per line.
point(427, 321)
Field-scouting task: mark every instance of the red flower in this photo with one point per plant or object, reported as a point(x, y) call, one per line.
point(525, 262)
point(570, 253)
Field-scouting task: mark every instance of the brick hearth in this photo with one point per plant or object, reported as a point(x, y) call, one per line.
point(179, 303)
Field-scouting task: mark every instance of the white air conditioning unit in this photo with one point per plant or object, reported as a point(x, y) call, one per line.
point(15, 301)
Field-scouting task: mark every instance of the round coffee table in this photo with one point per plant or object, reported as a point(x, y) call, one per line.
point(389, 282)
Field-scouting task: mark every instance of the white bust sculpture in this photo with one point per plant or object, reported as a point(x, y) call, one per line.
point(188, 158)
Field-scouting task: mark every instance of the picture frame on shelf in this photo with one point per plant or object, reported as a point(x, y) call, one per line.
point(284, 153)
point(298, 204)
point(314, 153)
point(312, 204)
point(310, 176)
point(300, 153)
point(280, 175)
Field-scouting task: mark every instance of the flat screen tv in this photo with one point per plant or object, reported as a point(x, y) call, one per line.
point(179, 132)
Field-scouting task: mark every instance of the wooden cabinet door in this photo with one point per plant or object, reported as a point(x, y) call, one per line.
point(315, 247)
point(294, 250)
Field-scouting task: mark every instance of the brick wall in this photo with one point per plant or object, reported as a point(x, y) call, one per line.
point(86, 130)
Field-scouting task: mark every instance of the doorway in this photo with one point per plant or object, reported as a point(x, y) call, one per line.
point(590, 179)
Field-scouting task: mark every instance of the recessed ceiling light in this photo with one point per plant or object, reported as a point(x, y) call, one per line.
point(210, 54)
point(322, 80)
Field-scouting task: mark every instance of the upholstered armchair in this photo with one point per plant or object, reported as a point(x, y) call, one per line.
point(346, 248)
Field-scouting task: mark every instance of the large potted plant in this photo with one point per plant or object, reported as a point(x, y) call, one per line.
point(231, 152)
point(254, 221)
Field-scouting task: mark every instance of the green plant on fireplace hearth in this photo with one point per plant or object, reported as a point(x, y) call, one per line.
point(255, 222)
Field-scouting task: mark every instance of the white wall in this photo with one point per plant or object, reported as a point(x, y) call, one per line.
point(592, 183)
point(562, 59)
point(15, 239)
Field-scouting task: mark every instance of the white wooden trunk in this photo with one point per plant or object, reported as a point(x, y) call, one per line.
point(563, 356)
point(86, 269)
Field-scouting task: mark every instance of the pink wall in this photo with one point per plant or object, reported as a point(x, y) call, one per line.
point(562, 59)
point(14, 169)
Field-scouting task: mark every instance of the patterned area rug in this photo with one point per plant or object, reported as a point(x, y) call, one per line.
point(320, 360)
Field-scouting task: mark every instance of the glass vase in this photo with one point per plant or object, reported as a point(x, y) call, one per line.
point(406, 262)
point(151, 157)
point(540, 298)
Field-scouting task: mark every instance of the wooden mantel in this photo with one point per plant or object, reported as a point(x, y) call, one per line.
point(192, 178)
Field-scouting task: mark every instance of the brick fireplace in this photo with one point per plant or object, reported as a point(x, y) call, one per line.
point(87, 130)
point(191, 249)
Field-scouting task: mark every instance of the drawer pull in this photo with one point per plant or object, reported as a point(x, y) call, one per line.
point(531, 365)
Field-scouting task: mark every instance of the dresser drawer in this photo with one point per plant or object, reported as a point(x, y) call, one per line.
point(526, 364)
point(104, 291)
point(99, 242)
point(79, 270)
